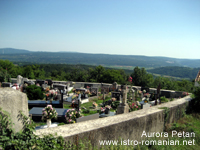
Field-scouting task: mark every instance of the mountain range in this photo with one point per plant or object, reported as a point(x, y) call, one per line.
point(41, 57)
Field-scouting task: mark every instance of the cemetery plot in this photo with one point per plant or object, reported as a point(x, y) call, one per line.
point(36, 113)
point(41, 103)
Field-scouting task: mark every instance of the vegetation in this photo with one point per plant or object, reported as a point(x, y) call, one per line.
point(34, 92)
point(83, 73)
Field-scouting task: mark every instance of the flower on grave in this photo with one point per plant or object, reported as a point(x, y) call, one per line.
point(49, 113)
point(108, 107)
point(133, 107)
point(144, 91)
point(74, 97)
point(71, 115)
point(78, 92)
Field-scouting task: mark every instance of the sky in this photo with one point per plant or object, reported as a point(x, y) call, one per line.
point(169, 28)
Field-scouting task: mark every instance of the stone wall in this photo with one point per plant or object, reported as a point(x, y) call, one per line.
point(12, 101)
point(126, 126)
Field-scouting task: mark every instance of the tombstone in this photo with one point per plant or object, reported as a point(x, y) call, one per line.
point(116, 95)
point(145, 88)
point(39, 82)
point(19, 79)
point(94, 91)
point(87, 85)
point(6, 84)
point(114, 86)
point(49, 82)
point(24, 79)
point(36, 113)
point(60, 87)
point(13, 101)
point(123, 107)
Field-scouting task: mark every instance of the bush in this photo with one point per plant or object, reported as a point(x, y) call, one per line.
point(26, 139)
point(34, 92)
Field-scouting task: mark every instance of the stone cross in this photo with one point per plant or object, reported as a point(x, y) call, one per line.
point(124, 100)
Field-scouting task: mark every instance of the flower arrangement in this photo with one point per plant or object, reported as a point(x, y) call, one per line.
point(133, 107)
point(49, 113)
point(51, 94)
point(106, 108)
point(72, 114)
point(144, 91)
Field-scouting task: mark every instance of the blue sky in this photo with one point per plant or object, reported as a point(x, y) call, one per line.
point(169, 28)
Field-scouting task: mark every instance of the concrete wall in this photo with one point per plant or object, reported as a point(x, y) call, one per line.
point(127, 126)
point(12, 101)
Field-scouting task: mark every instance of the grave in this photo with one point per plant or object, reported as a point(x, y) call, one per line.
point(116, 95)
point(40, 82)
point(94, 91)
point(6, 84)
point(42, 103)
point(49, 82)
point(145, 88)
point(123, 107)
point(19, 79)
point(60, 87)
point(36, 113)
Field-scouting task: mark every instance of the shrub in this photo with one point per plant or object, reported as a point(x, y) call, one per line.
point(26, 139)
point(34, 92)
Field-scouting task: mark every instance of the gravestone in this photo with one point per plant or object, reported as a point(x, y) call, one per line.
point(123, 107)
point(94, 91)
point(19, 79)
point(114, 86)
point(60, 87)
point(116, 95)
point(145, 88)
point(6, 84)
point(40, 82)
point(13, 101)
point(49, 82)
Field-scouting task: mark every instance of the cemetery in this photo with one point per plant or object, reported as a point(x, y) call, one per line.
point(100, 110)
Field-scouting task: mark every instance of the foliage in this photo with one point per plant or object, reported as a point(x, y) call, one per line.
point(26, 139)
point(163, 99)
point(71, 115)
point(49, 113)
point(34, 92)
point(4, 75)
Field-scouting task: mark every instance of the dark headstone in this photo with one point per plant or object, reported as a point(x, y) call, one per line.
point(40, 82)
point(116, 95)
point(49, 82)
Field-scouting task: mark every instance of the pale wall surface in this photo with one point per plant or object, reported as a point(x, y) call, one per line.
point(12, 101)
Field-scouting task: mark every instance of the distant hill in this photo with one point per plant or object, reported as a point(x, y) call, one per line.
point(181, 72)
point(16, 55)
point(12, 51)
